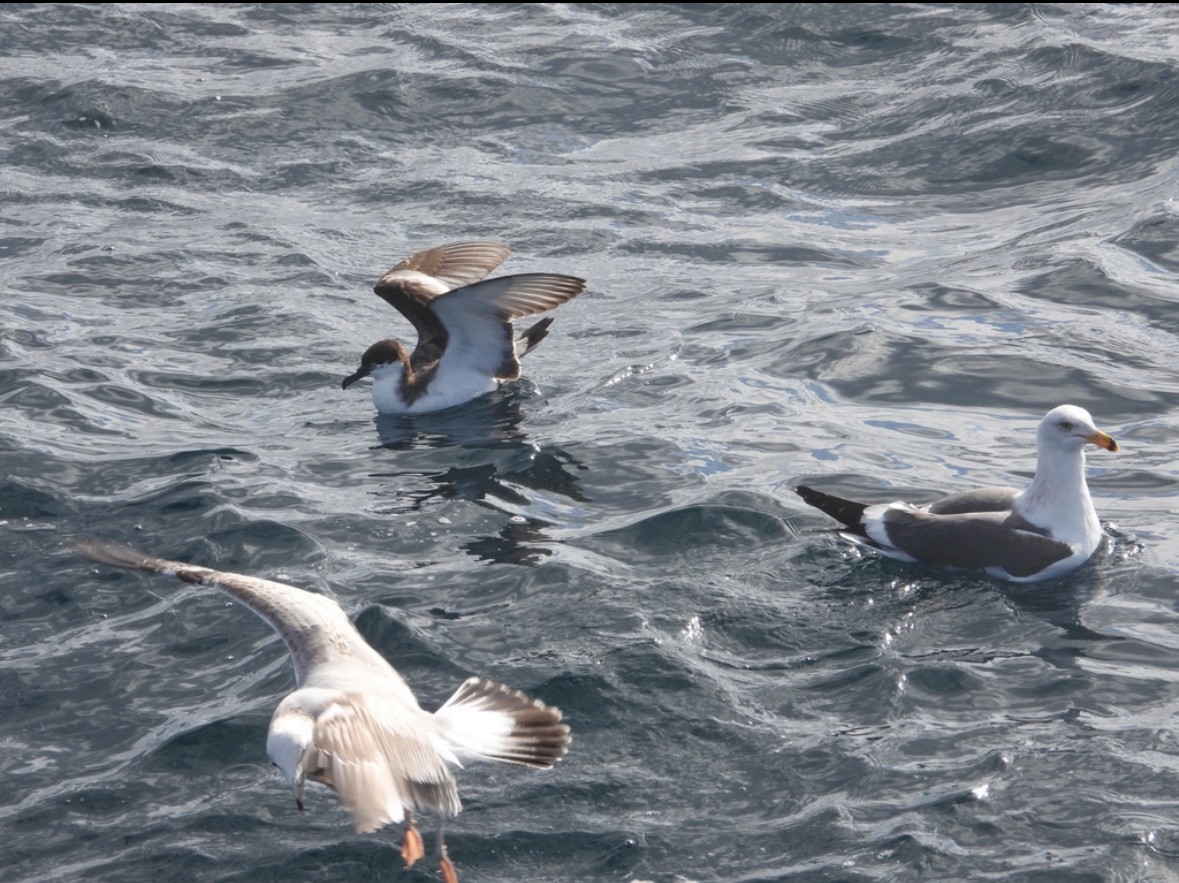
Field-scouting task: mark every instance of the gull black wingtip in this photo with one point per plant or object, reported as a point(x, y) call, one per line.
point(849, 513)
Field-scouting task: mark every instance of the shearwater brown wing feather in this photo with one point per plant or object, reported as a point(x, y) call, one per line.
point(459, 263)
point(512, 297)
point(412, 285)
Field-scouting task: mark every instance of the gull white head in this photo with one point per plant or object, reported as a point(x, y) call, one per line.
point(1069, 427)
point(1058, 497)
point(290, 740)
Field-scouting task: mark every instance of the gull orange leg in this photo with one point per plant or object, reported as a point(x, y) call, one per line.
point(412, 847)
point(449, 874)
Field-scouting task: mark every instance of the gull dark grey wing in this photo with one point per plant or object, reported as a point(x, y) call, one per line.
point(986, 499)
point(972, 541)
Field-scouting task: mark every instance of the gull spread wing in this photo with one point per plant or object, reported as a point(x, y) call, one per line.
point(314, 628)
point(382, 763)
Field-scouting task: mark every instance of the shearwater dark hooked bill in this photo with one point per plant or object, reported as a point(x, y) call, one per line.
point(354, 725)
point(1043, 531)
point(466, 344)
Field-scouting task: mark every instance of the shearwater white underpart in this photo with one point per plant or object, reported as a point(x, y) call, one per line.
point(466, 343)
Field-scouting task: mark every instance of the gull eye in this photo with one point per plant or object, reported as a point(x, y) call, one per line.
point(1066, 425)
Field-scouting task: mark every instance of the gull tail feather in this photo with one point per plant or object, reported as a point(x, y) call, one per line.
point(849, 513)
point(490, 722)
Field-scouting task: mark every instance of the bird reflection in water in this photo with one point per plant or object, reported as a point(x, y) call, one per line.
point(503, 469)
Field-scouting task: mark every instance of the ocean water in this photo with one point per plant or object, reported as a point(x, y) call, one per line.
point(864, 247)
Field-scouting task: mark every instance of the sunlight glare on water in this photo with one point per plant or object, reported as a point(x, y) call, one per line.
point(861, 247)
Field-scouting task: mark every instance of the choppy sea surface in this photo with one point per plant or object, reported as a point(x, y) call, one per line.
point(863, 247)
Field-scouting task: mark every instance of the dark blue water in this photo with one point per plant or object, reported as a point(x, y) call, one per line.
point(863, 246)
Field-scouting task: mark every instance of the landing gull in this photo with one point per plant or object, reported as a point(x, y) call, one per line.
point(466, 344)
point(1043, 531)
point(353, 724)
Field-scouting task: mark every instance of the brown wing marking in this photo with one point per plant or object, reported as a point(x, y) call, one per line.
point(412, 285)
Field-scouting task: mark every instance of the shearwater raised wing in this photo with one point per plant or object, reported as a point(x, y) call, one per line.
point(1046, 530)
point(466, 345)
point(352, 722)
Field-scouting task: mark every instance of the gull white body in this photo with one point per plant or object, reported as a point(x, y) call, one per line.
point(353, 723)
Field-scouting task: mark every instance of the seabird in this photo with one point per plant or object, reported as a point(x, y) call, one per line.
point(1046, 530)
point(466, 345)
point(353, 723)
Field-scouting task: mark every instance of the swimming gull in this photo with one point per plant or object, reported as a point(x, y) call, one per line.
point(466, 345)
point(1046, 530)
point(352, 722)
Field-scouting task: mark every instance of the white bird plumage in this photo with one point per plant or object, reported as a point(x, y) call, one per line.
point(1046, 530)
point(353, 723)
point(466, 343)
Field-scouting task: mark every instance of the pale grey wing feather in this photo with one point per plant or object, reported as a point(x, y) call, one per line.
point(457, 264)
point(383, 763)
point(478, 319)
point(971, 541)
point(509, 297)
